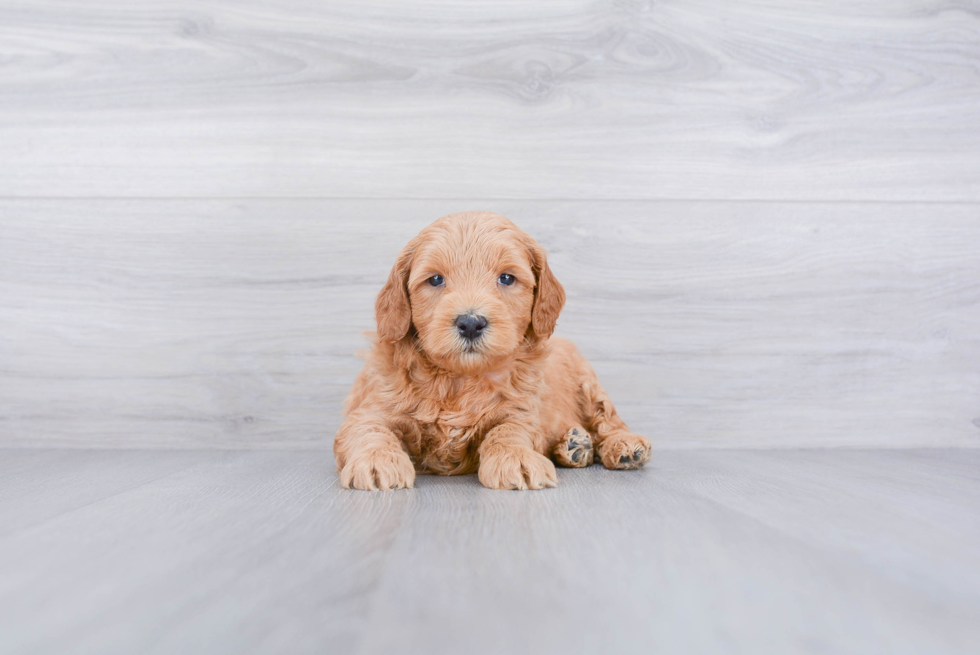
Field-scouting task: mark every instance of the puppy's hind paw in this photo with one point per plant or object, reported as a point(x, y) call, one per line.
point(575, 449)
point(625, 450)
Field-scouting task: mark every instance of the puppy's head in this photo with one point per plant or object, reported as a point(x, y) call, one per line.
point(474, 286)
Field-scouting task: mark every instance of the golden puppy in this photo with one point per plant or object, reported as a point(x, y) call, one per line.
point(464, 376)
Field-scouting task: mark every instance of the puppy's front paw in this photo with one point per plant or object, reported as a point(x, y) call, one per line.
point(378, 469)
point(625, 450)
point(510, 467)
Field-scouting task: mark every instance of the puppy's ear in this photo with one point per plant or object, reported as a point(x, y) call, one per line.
point(392, 309)
point(549, 295)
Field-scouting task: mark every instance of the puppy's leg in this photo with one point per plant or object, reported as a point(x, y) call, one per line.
point(508, 460)
point(370, 456)
point(616, 446)
point(574, 450)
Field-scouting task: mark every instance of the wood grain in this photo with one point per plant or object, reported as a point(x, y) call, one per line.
point(35, 488)
point(842, 100)
point(236, 323)
point(706, 551)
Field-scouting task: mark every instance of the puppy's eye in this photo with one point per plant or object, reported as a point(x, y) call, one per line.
point(436, 280)
point(506, 279)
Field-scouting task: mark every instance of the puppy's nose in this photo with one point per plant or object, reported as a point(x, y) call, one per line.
point(470, 326)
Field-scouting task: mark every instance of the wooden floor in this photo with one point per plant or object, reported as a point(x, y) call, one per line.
point(726, 551)
point(766, 216)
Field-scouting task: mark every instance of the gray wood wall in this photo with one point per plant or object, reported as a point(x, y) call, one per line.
point(766, 214)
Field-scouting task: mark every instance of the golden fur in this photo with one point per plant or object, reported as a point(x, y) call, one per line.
point(428, 401)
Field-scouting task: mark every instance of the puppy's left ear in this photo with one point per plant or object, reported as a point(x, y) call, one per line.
point(392, 309)
point(549, 295)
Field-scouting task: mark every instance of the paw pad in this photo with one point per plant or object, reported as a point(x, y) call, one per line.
point(575, 450)
point(631, 459)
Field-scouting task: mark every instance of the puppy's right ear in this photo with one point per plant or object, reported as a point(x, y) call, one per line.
point(392, 309)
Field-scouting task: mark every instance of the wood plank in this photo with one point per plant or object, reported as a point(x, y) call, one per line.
point(919, 532)
point(647, 563)
point(242, 552)
point(236, 323)
point(708, 551)
point(39, 485)
point(843, 100)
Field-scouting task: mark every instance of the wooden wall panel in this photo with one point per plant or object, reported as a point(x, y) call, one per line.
point(235, 323)
point(842, 100)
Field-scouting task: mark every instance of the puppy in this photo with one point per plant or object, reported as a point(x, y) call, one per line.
point(464, 375)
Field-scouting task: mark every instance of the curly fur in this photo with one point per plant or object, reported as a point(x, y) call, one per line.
point(429, 402)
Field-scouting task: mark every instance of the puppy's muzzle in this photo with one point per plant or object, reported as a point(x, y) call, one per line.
point(471, 326)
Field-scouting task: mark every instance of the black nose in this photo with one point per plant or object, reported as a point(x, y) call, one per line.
point(470, 326)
